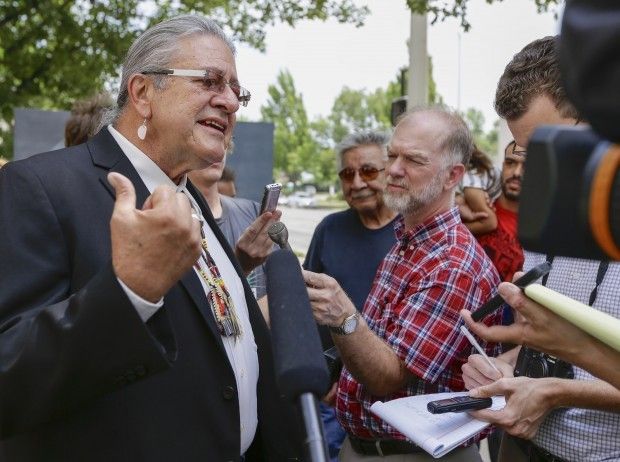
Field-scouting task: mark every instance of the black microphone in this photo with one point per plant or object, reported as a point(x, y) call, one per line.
point(279, 234)
point(301, 372)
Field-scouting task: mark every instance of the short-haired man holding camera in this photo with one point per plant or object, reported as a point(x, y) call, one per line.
point(551, 417)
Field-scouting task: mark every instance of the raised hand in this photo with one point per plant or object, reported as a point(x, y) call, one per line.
point(254, 245)
point(152, 248)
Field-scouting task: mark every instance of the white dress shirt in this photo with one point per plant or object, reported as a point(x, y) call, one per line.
point(242, 350)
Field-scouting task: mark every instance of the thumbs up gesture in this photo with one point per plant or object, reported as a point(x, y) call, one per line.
point(152, 247)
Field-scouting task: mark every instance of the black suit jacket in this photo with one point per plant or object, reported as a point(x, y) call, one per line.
point(82, 378)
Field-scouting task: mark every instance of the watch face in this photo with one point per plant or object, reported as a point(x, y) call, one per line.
point(349, 325)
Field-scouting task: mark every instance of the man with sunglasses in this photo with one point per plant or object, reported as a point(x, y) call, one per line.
point(407, 341)
point(349, 245)
point(128, 331)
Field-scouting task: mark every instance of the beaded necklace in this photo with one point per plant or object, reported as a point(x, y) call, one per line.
point(219, 298)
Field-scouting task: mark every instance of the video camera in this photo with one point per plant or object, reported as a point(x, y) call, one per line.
point(570, 198)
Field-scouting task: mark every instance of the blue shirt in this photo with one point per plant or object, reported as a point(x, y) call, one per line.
point(343, 248)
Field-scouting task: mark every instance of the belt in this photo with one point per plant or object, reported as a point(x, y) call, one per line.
point(536, 453)
point(382, 447)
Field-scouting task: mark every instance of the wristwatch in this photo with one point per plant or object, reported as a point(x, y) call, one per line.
point(348, 326)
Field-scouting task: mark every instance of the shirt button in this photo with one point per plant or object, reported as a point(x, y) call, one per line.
point(228, 393)
point(242, 373)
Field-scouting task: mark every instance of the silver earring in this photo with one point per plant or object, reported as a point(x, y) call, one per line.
point(142, 130)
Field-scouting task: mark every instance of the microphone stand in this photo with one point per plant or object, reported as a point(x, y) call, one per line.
point(315, 441)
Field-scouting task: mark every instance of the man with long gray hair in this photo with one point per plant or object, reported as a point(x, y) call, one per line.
point(127, 330)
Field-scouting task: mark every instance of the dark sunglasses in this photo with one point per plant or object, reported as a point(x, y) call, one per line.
point(367, 173)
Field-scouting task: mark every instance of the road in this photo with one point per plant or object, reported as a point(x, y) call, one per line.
point(301, 224)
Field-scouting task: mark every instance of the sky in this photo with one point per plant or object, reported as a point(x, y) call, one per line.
point(323, 57)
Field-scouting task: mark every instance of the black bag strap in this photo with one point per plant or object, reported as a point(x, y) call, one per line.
point(600, 275)
point(546, 276)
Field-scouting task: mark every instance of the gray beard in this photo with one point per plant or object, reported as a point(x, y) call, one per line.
point(411, 203)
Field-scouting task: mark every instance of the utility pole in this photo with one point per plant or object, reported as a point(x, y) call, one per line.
point(418, 62)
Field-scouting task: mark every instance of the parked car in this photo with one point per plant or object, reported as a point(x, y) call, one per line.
point(301, 199)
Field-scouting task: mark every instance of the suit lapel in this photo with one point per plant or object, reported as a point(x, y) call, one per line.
point(109, 157)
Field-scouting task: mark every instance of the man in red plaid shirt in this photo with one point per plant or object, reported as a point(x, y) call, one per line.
point(407, 341)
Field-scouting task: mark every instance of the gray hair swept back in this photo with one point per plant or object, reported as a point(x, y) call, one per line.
point(155, 48)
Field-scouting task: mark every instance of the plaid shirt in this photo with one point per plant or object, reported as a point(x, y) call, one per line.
point(432, 272)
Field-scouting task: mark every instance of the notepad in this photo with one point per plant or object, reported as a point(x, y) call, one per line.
point(437, 434)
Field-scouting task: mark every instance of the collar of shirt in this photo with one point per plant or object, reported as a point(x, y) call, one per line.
point(149, 171)
point(433, 226)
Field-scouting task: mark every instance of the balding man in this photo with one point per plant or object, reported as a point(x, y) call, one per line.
point(407, 340)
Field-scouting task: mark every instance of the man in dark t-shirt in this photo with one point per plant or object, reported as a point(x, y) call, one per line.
point(349, 252)
point(349, 245)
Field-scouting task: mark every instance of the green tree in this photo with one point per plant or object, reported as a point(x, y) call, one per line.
point(440, 9)
point(294, 147)
point(355, 110)
point(55, 51)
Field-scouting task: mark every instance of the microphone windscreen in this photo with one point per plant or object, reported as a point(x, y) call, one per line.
point(298, 356)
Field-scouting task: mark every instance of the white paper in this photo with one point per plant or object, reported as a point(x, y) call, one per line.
point(437, 434)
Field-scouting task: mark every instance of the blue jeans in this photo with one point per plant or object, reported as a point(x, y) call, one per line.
point(334, 433)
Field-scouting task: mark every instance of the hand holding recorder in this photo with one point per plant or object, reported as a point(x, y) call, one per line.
point(255, 245)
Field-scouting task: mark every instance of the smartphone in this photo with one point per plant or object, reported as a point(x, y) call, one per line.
point(496, 301)
point(270, 197)
point(458, 404)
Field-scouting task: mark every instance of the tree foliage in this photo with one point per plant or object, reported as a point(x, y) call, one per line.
point(301, 145)
point(486, 141)
point(294, 146)
point(439, 10)
point(55, 51)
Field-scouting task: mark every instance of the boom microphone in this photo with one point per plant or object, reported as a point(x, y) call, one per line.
point(301, 372)
point(279, 234)
point(299, 362)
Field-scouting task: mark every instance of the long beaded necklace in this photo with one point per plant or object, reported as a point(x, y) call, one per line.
point(219, 298)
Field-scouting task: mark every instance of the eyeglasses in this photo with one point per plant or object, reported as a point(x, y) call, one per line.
point(212, 79)
point(367, 173)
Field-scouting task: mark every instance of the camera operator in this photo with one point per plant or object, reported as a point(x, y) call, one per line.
point(530, 94)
